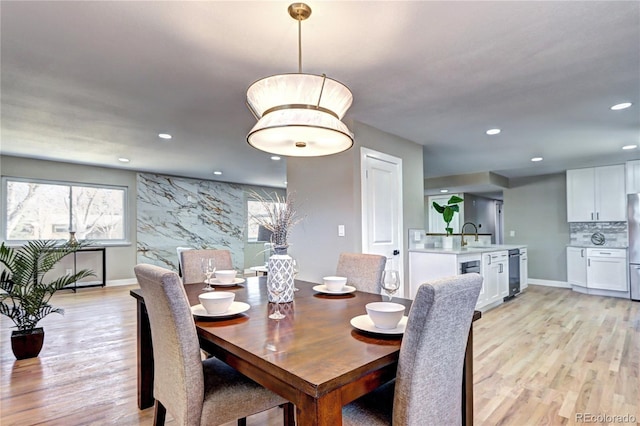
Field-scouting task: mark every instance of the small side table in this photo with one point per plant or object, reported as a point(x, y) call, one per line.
point(259, 270)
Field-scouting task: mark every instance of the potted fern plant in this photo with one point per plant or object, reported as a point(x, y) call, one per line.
point(447, 211)
point(25, 292)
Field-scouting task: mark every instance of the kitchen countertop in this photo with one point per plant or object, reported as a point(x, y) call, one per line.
point(469, 250)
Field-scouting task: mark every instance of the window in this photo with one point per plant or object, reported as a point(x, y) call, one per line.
point(49, 210)
point(255, 209)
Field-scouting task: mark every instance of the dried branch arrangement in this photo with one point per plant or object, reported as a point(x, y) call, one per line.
point(280, 216)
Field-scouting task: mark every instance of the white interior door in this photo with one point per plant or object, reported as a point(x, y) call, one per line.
point(382, 208)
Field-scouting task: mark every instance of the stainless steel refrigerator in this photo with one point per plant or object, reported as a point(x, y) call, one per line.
point(633, 205)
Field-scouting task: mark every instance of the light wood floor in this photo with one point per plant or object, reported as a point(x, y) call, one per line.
point(542, 358)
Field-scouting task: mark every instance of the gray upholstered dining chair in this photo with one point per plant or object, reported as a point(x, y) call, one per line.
point(193, 391)
point(192, 263)
point(427, 388)
point(363, 271)
point(179, 250)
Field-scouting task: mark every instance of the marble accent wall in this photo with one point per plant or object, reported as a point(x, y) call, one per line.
point(182, 212)
point(615, 233)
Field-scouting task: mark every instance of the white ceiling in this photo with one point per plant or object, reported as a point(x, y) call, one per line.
point(88, 82)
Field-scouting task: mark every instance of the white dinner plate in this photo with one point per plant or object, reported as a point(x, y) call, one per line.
point(323, 289)
point(235, 309)
point(364, 323)
point(215, 281)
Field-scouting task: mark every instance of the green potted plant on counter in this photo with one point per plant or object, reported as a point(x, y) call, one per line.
point(447, 211)
point(25, 293)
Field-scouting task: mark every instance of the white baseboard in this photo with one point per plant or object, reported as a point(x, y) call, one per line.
point(126, 281)
point(548, 283)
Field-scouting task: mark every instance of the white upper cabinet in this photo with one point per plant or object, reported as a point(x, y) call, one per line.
point(633, 177)
point(596, 194)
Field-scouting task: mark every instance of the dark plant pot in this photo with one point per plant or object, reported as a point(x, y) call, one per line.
point(27, 344)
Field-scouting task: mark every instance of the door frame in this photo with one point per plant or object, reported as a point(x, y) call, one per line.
point(398, 199)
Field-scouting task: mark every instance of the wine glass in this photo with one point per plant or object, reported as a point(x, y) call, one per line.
point(208, 268)
point(390, 282)
point(276, 288)
point(296, 270)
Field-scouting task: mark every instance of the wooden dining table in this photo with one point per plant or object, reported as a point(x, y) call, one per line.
point(313, 357)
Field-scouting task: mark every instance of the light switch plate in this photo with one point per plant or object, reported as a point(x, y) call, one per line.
point(340, 230)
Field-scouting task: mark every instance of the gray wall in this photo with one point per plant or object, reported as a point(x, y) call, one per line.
point(536, 209)
point(120, 259)
point(328, 194)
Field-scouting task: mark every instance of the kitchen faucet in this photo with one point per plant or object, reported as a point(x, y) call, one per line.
point(462, 241)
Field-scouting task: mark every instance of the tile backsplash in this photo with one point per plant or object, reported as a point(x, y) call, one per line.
point(615, 233)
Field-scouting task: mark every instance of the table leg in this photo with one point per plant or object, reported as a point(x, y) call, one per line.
point(467, 382)
point(323, 411)
point(145, 359)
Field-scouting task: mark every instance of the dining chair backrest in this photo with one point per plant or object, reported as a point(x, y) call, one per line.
point(178, 373)
point(179, 250)
point(429, 375)
point(363, 271)
point(192, 263)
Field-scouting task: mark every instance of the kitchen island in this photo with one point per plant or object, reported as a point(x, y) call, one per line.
point(491, 261)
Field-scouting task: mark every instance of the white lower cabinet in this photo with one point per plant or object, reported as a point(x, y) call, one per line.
point(495, 271)
point(607, 269)
point(598, 271)
point(524, 269)
point(577, 266)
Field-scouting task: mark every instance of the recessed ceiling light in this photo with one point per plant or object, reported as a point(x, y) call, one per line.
point(275, 157)
point(623, 105)
point(444, 190)
point(217, 172)
point(123, 160)
point(536, 159)
point(493, 131)
point(164, 136)
point(630, 147)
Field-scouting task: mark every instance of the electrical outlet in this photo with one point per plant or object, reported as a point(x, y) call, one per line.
point(512, 233)
point(69, 271)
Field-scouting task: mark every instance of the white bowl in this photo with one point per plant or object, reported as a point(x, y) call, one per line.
point(226, 276)
point(334, 283)
point(217, 302)
point(385, 315)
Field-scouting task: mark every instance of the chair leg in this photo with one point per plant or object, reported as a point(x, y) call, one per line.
point(159, 414)
point(242, 421)
point(288, 414)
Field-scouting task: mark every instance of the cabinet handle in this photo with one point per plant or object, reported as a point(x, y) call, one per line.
point(588, 262)
point(598, 215)
point(581, 252)
point(591, 215)
point(500, 268)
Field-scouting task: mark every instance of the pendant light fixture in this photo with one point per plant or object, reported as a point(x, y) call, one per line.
point(299, 114)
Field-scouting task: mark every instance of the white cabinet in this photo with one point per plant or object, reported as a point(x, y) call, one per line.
point(633, 176)
point(524, 269)
point(596, 194)
point(598, 271)
point(607, 269)
point(577, 266)
point(495, 271)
